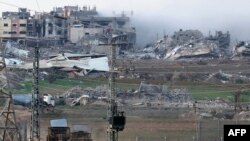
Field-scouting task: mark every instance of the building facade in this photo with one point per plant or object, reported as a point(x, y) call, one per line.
point(13, 29)
point(66, 24)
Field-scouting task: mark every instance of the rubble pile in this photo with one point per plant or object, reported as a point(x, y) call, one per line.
point(150, 89)
point(241, 49)
point(184, 36)
point(193, 50)
point(81, 96)
point(178, 95)
point(222, 77)
point(155, 95)
point(244, 115)
point(189, 44)
point(12, 49)
point(147, 94)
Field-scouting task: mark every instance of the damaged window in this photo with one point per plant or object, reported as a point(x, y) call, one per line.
point(22, 32)
point(22, 25)
point(13, 32)
point(50, 31)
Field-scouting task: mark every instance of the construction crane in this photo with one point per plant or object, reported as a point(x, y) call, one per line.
point(8, 126)
point(116, 118)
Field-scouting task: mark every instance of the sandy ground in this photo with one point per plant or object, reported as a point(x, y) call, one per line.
point(142, 124)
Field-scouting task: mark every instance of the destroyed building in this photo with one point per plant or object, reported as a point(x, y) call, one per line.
point(81, 26)
point(89, 29)
point(242, 49)
point(22, 13)
point(185, 36)
point(55, 27)
point(221, 39)
point(191, 44)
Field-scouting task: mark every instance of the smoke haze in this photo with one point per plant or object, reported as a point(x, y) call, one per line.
point(152, 17)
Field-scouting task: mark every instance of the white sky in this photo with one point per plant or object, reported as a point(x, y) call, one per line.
point(159, 16)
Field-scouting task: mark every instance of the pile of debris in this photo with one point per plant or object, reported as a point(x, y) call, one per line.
point(156, 95)
point(222, 77)
point(192, 50)
point(244, 115)
point(242, 49)
point(12, 49)
point(147, 94)
point(83, 96)
point(189, 44)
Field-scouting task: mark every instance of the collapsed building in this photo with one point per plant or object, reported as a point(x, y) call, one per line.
point(242, 49)
point(95, 32)
point(145, 95)
point(191, 44)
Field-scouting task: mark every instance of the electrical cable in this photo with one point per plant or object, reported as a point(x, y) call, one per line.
point(38, 5)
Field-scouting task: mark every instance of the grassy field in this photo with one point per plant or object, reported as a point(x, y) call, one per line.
point(142, 124)
point(198, 91)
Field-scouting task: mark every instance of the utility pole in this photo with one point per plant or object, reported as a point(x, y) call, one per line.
point(35, 105)
point(237, 100)
point(113, 135)
point(116, 118)
point(8, 126)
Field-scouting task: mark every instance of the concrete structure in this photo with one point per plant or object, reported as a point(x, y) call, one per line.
point(5, 28)
point(13, 25)
point(55, 28)
point(13, 29)
point(34, 27)
point(76, 33)
point(67, 60)
point(63, 24)
point(86, 26)
point(21, 14)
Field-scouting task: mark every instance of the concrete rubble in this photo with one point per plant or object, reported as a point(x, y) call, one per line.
point(88, 62)
point(242, 49)
point(191, 50)
point(81, 96)
point(12, 49)
point(244, 115)
point(146, 95)
point(222, 77)
point(187, 44)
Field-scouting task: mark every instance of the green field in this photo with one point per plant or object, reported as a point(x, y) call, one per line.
point(198, 91)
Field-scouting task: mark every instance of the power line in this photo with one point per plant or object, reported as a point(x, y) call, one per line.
point(38, 5)
point(9, 4)
point(13, 5)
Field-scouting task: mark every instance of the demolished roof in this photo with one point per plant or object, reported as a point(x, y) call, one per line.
point(193, 50)
point(67, 60)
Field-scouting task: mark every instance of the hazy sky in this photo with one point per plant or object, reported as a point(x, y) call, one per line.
point(158, 16)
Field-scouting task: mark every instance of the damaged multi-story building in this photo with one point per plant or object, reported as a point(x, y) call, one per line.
point(88, 28)
point(13, 25)
point(221, 39)
point(17, 26)
point(81, 26)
